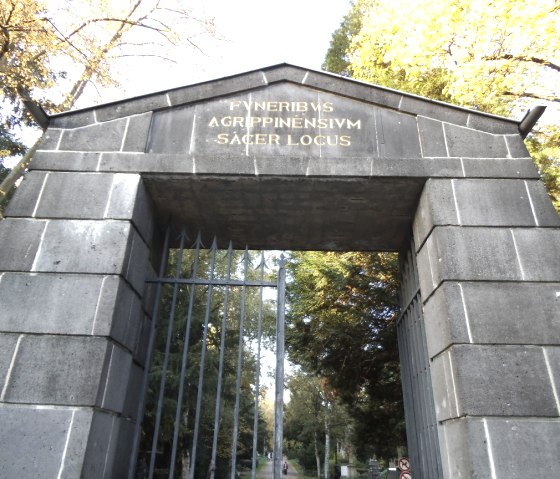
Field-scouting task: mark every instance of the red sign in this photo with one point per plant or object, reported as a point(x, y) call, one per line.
point(406, 475)
point(404, 465)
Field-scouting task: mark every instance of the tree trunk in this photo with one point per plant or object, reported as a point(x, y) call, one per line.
point(327, 444)
point(317, 457)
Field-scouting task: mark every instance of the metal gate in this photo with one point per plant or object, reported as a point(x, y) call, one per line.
point(419, 407)
point(213, 328)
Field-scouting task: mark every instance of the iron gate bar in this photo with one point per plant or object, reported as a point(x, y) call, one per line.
point(202, 359)
point(149, 354)
point(258, 373)
point(238, 376)
point(217, 411)
point(279, 392)
point(421, 422)
point(177, 425)
point(166, 359)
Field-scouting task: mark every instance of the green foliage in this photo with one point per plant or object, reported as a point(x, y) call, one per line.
point(484, 55)
point(544, 146)
point(336, 60)
point(342, 327)
point(499, 57)
point(51, 51)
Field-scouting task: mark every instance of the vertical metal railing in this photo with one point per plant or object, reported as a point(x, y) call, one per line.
point(172, 424)
point(279, 389)
point(420, 417)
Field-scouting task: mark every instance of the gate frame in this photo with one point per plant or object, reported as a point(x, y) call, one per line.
point(91, 232)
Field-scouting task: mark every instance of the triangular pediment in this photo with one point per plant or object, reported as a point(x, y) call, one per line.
point(283, 151)
point(269, 77)
point(288, 111)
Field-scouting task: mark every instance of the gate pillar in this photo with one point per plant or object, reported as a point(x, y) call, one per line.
point(73, 260)
point(488, 254)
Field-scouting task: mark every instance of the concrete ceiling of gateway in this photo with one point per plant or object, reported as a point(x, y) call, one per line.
point(290, 213)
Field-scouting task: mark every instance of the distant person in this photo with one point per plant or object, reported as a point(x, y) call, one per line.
point(285, 468)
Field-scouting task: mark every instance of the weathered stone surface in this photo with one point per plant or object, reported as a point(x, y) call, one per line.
point(492, 380)
point(492, 124)
point(217, 88)
point(15, 254)
point(432, 137)
point(464, 142)
point(152, 163)
point(552, 359)
point(8, 344)
point(491, 313)
point(137, 260)
point(131, 107)
point(284, 73)
point(43, 443)
point(499, 168)
point(519, 447)
point(65, 161)
point(58, 370)
point(74, 195)
point(107, 136)
point(397, 135)
point(467, 254)
point(73, 119)
point(538, 253)
point(83, 246)
point(25, 198)
point(137, 132)
point(117, 378)
point(516, 146)
point(133, 392)
point(433, 109)
point(50, 139)
point(50, 304)
point(492, 203)
point(109, 447)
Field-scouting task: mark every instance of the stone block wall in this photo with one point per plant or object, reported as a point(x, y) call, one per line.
point(489, 266)
point(74, 258)
point(78, 238)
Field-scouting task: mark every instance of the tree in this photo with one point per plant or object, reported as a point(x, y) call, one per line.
point(51, 51)
point(342, 327)
point(314, 420)
point(483, 54)
point(336, 60)
point(500, 57)
point(71, 44)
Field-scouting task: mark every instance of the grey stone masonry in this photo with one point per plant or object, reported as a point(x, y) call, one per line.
point(74, 258)
point(282, 158)
point(308, 119)
point(488, 254)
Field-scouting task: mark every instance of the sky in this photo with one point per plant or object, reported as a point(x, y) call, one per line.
point(251, 34)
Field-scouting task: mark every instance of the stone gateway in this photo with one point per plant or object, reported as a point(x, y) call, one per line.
point(283, 158)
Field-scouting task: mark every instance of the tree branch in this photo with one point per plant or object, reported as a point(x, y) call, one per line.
point(526, 59)
point(532, 95)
